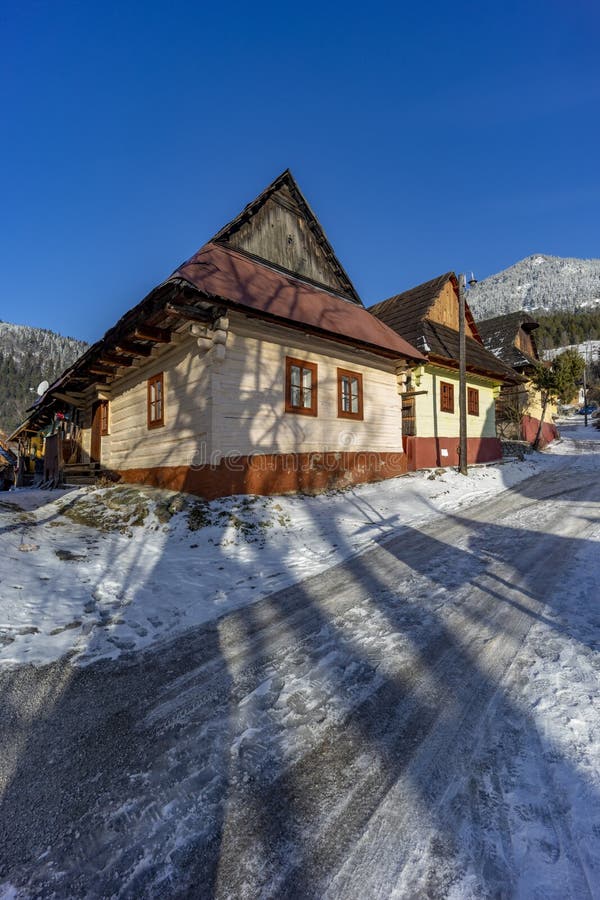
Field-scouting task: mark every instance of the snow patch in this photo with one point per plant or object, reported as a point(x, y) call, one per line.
point(141, 575)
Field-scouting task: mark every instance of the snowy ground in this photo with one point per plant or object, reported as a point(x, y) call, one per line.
point(589, 350)
point(419, 720)
point(67, 587)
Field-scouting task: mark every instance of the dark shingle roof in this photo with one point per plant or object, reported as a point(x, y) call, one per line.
point(443, 341)
point(407, 313)
point(404, 312)
point(499, 335)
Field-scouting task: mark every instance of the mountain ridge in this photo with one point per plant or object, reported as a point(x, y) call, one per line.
point(28, 356)
point(538, 282)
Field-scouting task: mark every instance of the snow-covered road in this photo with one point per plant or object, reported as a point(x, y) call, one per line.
point(421, 720)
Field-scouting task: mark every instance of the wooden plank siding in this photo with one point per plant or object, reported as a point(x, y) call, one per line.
point(280, 234)
point(445, 310)
point(254, 417)
point(432, 422)
point(130, 443)
point(237, 406)
point(525, 343)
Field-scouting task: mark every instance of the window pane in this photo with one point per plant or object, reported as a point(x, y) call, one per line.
point(345, 393)
point(295, 386)
point(354, 392)
point(307, 388)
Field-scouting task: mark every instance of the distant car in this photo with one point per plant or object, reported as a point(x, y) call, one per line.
point(587, 410)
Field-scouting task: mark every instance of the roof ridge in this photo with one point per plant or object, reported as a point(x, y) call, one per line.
point(404, 295)
point(286, 179)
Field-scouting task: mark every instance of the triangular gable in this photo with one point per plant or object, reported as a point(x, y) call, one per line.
point(445, 309)
point(511, 338)
point(280, 229)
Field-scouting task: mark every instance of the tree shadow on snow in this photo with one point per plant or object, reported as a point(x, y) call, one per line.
point(311, 740)
point(272, 751)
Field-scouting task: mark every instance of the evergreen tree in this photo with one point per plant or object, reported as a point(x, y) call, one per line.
point(557, 381)
point(27, 357)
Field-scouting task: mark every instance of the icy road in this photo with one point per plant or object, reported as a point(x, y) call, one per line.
point(422, 720)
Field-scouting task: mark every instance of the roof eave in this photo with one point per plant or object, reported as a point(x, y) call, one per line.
point(450, 363)
point(412, 353)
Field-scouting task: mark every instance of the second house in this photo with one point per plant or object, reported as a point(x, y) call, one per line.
point(427, 316)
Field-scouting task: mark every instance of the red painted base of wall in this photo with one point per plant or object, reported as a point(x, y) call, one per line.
point(529, 427)
point(273, 473)
point(426, 453)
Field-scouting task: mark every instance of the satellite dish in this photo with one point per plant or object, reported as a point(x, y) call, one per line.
point(42, 388)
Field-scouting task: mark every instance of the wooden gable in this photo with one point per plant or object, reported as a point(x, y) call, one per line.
point(444, 310)
point(525, 342)
point(280, 229)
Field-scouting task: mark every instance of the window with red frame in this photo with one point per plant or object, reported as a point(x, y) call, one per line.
point(300, 387)
point(473, 401)
point(446, 397)
point(350, 394)
point(156, 401)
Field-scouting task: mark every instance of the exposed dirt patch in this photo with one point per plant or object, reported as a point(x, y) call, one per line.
point(250, 516)
point(114, 509)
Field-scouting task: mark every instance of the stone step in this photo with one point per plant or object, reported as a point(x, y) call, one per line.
point(81, 468)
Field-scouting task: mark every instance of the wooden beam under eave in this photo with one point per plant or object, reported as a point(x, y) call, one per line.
point(191, 313)
point(113, 360)
point(101, 370)
point(134, 349)
point(150, 333)
point(72, 399)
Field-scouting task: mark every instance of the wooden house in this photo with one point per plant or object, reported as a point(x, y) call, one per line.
point(511, 339)
point(253, 368)
point(427, 316)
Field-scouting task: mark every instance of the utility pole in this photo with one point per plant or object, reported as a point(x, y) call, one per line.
point(462, 376)
point(585, 406)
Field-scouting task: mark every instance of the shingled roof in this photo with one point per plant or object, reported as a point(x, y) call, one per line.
point(241, 271)
point(256, 288)
point(408, 314)
point(499, 335)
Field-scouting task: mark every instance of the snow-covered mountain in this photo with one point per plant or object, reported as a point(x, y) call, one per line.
point(547, 282)
point(27, 357)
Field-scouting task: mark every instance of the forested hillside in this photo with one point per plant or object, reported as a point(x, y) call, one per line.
point(562, 329)
point(27, 357)
point(549, 283)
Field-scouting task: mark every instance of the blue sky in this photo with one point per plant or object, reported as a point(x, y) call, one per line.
point(427, 137)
